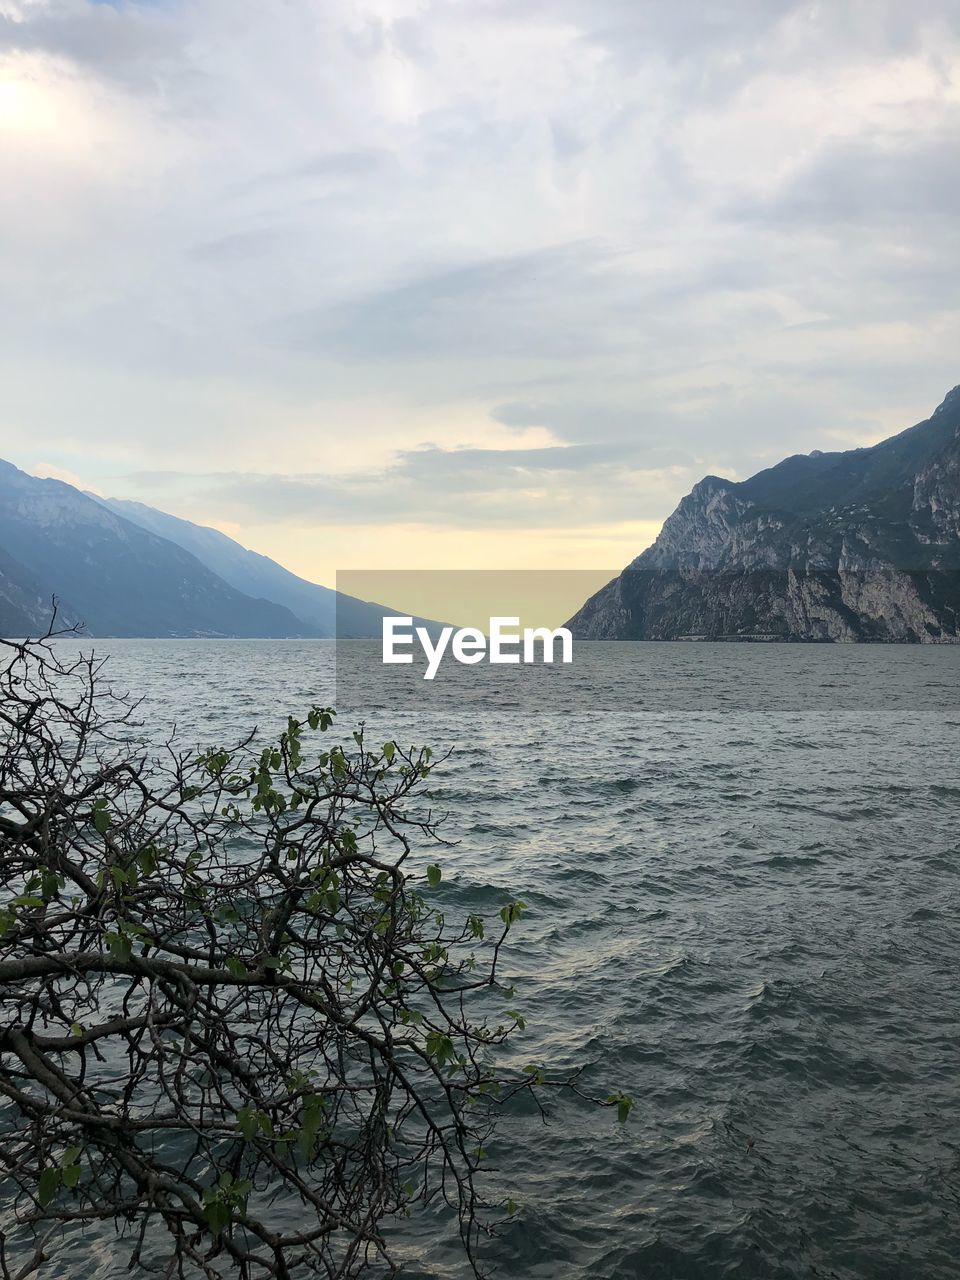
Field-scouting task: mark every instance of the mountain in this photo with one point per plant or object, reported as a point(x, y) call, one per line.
point(327, 611)
point(121, 579)
point(862, 545)
point(24, 608)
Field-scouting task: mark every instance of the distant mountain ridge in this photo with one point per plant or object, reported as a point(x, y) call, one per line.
point(856, 545)
point(121, 568)
point(114, 576)
point(325, 611)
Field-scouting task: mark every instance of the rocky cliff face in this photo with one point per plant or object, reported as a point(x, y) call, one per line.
point(855, 546)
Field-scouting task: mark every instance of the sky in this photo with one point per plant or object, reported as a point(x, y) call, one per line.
point(428, 284)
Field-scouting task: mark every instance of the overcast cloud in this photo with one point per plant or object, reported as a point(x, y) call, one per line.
point(391, 281)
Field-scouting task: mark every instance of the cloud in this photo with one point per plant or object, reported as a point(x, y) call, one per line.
point(501, 308)
point(131, 43)
point(557, 487)
point(47, 471)
point(591, 249)
point(887, 182)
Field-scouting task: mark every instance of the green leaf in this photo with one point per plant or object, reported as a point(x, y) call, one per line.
point(120, 947)
point(70, 1175)
point(440, 1047)
point(389, 751)
point(99, 816)
point(247, 1123)
point(624, 1104)
point(218, 1216)
point(236, 966)
point(434, 875)
point(48, 1186)
point(512, 912)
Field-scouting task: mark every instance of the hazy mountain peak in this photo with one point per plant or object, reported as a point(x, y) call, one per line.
point(130, 569)
point(120, 578)
point(326, 612)
point(950, 401)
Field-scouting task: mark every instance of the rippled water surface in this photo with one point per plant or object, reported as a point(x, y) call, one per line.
point(742, 868)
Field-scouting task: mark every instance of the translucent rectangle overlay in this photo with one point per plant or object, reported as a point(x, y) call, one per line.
point(701, 642)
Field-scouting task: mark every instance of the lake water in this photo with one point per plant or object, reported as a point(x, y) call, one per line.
point(742, 864)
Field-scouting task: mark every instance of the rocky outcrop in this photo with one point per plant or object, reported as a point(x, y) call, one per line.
point(855, 546)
